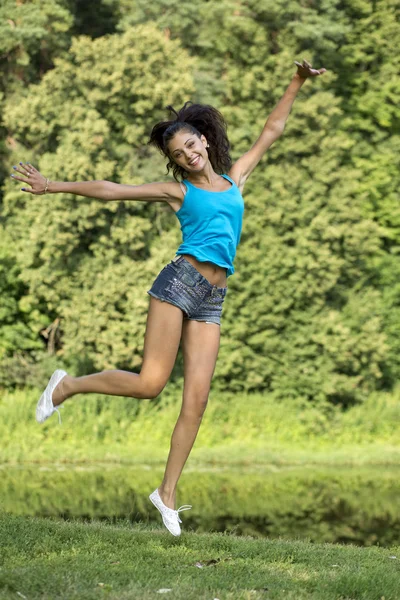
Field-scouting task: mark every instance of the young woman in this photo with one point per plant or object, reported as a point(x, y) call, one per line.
point(187, 296)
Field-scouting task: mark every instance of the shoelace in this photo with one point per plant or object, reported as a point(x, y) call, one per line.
point(182, 508)
point(59, 415)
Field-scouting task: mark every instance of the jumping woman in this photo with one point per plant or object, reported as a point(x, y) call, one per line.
point(186, 297)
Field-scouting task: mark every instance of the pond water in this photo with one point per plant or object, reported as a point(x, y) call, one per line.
point(346, 505)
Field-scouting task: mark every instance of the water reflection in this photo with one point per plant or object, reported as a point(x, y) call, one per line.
point(347, 505)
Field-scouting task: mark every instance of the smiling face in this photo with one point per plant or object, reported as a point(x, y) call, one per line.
point(188, 151)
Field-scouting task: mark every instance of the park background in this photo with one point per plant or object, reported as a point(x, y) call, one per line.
point(301, 435)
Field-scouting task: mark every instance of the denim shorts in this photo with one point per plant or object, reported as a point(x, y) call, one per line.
point(181, 284)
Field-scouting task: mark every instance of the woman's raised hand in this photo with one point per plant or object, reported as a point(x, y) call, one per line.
point(30, 175)
point(305, 69)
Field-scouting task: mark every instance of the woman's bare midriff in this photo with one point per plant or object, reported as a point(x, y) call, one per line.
point(213, 273)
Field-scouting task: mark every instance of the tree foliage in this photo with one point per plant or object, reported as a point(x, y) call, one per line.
point(313, 310)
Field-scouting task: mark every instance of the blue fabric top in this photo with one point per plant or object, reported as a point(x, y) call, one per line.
point(211, 224)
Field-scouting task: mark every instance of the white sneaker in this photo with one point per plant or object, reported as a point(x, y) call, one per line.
point(170, 516)
point(45, 406)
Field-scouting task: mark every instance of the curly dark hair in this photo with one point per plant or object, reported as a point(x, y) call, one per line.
point(199, 119)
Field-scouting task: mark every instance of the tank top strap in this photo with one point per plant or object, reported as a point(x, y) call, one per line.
point(187, 182)
point(225, 176)
point(182, 184)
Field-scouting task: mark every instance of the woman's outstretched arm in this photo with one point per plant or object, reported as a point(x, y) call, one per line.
point(274, 126)
point(103, 190)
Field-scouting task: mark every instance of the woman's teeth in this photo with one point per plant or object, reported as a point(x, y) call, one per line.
point(195, 161)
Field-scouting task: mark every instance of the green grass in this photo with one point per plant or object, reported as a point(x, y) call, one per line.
point(236, 429)
point(42, 558)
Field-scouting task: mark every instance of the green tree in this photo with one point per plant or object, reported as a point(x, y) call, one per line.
point(89, 119)
point(313, 309)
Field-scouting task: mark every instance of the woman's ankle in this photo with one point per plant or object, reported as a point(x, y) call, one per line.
point(169, 498)
point(63, 391)
point(169, 493)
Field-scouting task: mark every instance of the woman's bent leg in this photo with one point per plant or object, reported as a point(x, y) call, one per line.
point(161, 343)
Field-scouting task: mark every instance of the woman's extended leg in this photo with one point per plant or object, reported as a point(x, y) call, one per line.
point(161, 343)
point(200, 345)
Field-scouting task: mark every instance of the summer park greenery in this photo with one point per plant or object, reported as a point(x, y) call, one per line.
point(308, 370)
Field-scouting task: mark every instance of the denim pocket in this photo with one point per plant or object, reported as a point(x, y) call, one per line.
point(186, 273)
point(190, 279)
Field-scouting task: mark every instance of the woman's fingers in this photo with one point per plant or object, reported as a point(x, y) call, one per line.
point(28, 168)
point(18, 170)
point(20, 179)
point(25, 175)
point(306, 70)
point(27, 171)
point(30, 176)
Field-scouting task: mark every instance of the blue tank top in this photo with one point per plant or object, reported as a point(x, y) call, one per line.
point(211, 224)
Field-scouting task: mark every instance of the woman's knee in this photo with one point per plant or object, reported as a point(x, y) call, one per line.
point(151, 389)
point(195, 406)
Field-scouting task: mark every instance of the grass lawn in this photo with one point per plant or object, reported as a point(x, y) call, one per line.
point(43, 558)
